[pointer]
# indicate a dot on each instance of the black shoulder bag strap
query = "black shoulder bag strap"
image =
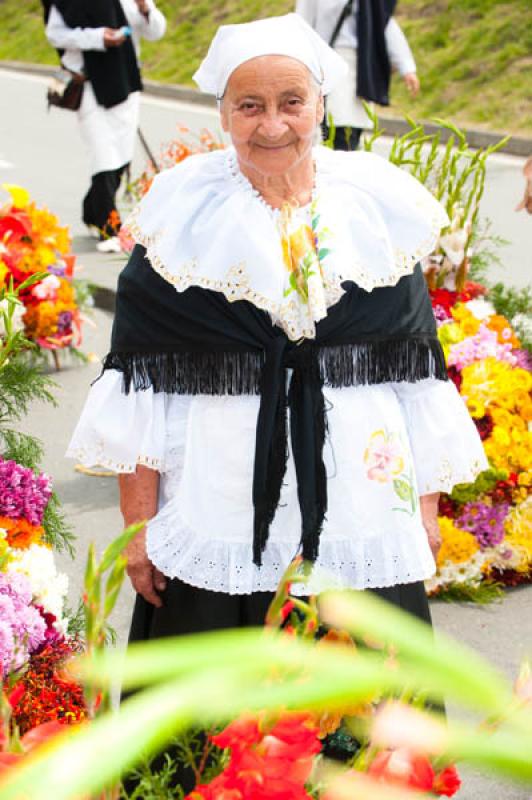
(347, 9)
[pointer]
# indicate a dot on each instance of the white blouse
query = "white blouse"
(387, 444)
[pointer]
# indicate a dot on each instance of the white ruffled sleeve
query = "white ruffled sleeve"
(120, 431)
(444, 440)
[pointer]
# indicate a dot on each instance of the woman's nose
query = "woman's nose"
(273, 125)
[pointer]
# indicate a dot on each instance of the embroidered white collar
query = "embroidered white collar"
(203, 224)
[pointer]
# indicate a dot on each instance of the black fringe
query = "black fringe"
(212, 373)
(237, 373)
(382, 361)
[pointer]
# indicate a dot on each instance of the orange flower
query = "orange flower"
(20, 534)
(505, 333)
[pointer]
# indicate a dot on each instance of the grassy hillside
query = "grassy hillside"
(474, 56)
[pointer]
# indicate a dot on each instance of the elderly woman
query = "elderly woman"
(275, 384)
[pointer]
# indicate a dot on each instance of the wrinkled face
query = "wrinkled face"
(271, 108)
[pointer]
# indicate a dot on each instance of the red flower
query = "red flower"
(241, 733)
(31, 740)
(269, 764)
(447, 781)
(456, 376)
(404, 768)
(447, 507)
(16, 695)
(484, 426)
(444, 299)
(472, 290)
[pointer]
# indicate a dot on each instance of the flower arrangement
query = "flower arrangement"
(32, 592)
(487, 535)
(32, 241)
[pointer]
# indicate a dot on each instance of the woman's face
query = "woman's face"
(271, 108)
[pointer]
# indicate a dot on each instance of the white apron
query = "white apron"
(108, 133)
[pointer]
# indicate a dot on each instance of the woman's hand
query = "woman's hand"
(147, 580)
(139, 492)
(412, 83)
(429, 515)
(113, 37)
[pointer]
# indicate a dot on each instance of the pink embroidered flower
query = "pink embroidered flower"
(383, 457)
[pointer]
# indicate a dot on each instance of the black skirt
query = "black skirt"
(188, 609)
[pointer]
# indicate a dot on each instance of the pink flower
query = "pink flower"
(383, 457)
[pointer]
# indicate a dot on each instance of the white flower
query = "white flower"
(47, 288)
(453, 245)
(49, 587)
(523, 325)
(18, 312)
(480, 308)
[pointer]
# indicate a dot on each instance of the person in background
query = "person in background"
(366, 35)
(99, 40)
(526, 202)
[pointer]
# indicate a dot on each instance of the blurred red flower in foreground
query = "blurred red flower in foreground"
(270, 763)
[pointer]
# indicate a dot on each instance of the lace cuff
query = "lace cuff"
(120, 431)
(444, 440)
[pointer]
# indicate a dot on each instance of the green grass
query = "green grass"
(474, 56)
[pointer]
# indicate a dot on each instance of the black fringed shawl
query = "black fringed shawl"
(196, 342)
(114, 73)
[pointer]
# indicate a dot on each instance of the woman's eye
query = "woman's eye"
(248, 108)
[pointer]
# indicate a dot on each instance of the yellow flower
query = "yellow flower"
(19, 197)
(518, 527)
(476, 407)
(468, 323)
(458, 546)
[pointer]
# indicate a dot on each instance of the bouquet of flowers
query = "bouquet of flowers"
(32, 241)
(32, 592)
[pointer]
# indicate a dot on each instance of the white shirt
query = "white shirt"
(74, 40)
(323, 15)
(387, 443)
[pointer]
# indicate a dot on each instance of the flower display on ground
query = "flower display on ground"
(32, 241)
(486, 526)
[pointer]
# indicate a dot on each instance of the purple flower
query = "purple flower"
(485, 522)
(23, 494)
(22, 627)
(523, 359)
(64, 322)
(7, 647)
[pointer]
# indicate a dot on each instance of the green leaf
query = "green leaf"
(470, 678)
(402, 489)
(116, 547)
(323, 253)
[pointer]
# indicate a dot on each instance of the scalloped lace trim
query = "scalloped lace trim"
(293, 316)
(94, 456)
(226, 566)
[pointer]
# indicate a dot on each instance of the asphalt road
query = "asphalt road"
(42, 152)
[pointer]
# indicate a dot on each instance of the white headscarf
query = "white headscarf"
(288, 36)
